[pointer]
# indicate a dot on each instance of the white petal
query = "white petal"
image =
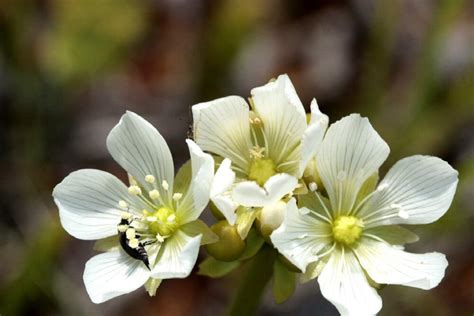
(300, 237)
(88, 202)
(140, 149)
(250, 194)
(283, 116)
(388, 265)
(221, 194)
(349, 154)
(222, 127)
(343, 282)
(313, 135)
(416, 190)
(114, 273)
(178, 258)
(202, 175)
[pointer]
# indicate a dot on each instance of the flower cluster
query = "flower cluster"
(276, 177)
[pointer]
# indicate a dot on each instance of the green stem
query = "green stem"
(252, 286)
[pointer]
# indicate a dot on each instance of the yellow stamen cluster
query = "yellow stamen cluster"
(347, 229)
(162, 222)
(261, 170)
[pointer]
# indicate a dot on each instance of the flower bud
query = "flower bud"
(230, 246)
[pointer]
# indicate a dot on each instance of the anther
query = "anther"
(171, 218)
(122, 228)
(313, 186)
(165, 185)
(159, 238)
(133, 243)
(403, 214)
(177, 196)
(151, 218)
(130, 233)
(134, 190)
(123, 204)
(154, 194)
(125, 215)
(149, 178)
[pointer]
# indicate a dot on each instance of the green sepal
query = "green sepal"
(213, 268)
(284, 282)
(254, 243)
(183, 178)
(245, 218)
(107, 244)
(152, 285)
(394, 235)
(197, 227)
(368, 187)
(312, 271)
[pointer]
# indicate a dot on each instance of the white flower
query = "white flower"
(352, 240)
(155, 219)
(269, 144)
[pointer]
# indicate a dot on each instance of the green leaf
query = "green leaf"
(284, 282)
(395, 235)
(215, 269)
(245, 218)
(254, 243)
(107, 244)
(197, 227)
(183, 178)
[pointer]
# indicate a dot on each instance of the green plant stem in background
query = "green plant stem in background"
(253, 283)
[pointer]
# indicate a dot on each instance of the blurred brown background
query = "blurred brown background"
(70, 68)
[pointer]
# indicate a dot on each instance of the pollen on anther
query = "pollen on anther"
(123, 204)
(177, 196)
(125, 215)
(313, 186)
(130, 233)
(122, 228)
(151, 218)
(134, 190)
(149, 178)
(171, 218)
(403, 214)
(159, 238)
(165, 185)
(154, 194)
(133, 243)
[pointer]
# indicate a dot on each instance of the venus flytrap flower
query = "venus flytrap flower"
(267, 146)
(352, 240)
(150, 230)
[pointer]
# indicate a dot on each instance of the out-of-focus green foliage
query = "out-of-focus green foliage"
(86, 38)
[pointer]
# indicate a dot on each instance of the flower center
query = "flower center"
(162, 221)
(261, 170)
(347, 229)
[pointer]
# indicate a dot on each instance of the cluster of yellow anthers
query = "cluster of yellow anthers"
(157, 222)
